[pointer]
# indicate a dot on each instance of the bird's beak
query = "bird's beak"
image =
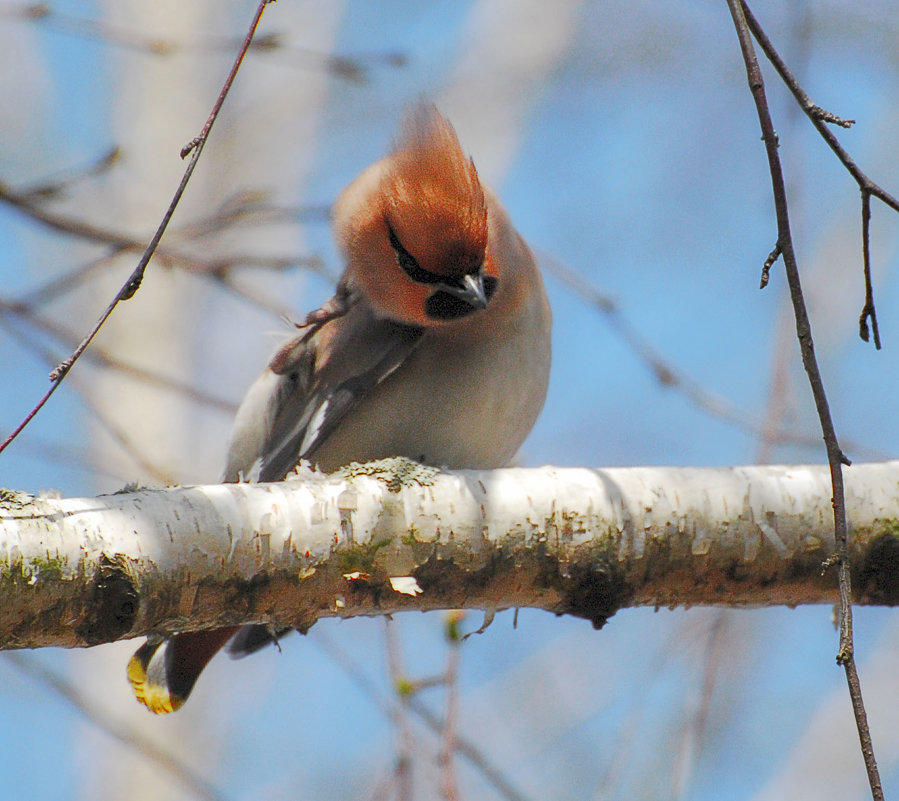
(469, 289)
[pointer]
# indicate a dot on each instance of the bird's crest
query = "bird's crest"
(436, 204)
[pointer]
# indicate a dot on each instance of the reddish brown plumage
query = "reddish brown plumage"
(434, 200)
(401, 361)
(427, 191)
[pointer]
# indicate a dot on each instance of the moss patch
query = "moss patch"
(396, 472)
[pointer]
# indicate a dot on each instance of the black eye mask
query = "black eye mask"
(408, 264)
(442, 304)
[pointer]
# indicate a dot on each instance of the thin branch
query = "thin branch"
(232, 213)
(119, 434)
(835, 457)
(352, 68)
(251, 206)
(669, 376)
(250, 293)
(134, 281)
(821, 119)
(243, 208)
(818, 116)
(198, 142)
(402, 772)
(119, 243)
(27, 204)
(102, 358)
(869, 311)
(464, 747)
(451, 681)
(64, 283)
(61, 182)
(692, 735)
(221, 270)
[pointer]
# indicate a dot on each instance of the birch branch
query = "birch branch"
(393, 535)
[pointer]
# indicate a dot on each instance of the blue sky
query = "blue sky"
(633, 158)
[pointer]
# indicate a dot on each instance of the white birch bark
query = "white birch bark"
(393, 535)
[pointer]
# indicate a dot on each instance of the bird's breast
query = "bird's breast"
(453, 403)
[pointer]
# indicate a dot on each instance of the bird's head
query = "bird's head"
(414, 228)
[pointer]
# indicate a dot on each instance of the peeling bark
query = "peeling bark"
(393, 535)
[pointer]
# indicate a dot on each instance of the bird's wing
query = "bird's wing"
(320, 377)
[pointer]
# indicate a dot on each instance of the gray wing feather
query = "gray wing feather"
(304, 421)
(311, 385)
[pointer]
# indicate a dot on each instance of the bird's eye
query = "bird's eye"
(408, 264)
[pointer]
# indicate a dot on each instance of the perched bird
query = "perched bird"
(435, 346)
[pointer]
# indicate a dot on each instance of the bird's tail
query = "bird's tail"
(163, 671)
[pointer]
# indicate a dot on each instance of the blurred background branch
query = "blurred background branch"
(619, 137)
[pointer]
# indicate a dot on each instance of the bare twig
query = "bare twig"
(65, 180)
(220, 269)
(463, 747)
(198, 142)
(669, 375)
(62, 284)
(134, 281)
(252, 206)
(869, 311)
(694, 729)
(119, 434)
(400, 717)
(102, 357)
(352, 68)
(451, 681)
(820, 119)
(28, 204)
(835, 457)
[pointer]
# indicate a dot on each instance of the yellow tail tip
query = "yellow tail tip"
(163, 672)
(158, 699)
